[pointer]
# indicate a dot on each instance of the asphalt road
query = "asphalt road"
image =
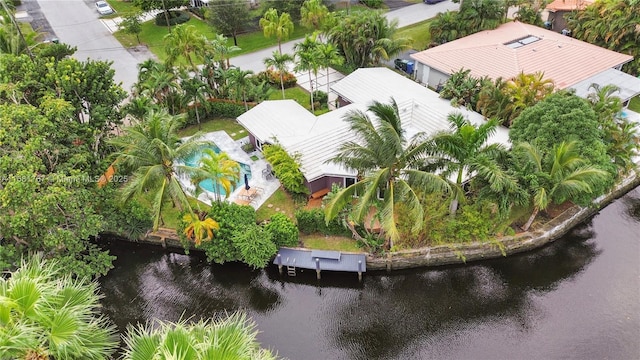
(76, 22)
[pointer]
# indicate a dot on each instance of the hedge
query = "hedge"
(312, 222)
(273, 78)
(175, 17)
(216, 108)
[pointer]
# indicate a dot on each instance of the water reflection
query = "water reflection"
(151, 283)
(588, 281)
(426, 302)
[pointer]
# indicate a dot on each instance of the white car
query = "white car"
(104, 8)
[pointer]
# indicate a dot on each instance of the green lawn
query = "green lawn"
(280, 200)
(634, 105)
(300, 95)
(419, 33)
(230, 126)
(122, 8)
(337, 243)
(153, 36)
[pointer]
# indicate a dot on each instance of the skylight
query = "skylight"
(522, 42)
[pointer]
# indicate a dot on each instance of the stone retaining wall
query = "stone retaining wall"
(462, 253)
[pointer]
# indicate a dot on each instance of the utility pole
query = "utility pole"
(15, 23)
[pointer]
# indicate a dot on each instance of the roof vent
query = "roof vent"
(522, 42)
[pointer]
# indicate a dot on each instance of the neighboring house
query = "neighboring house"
(317, 139)
(557, 9)
(516, 47)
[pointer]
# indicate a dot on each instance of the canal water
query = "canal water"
(578, 298)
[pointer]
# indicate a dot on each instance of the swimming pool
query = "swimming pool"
(208, 185)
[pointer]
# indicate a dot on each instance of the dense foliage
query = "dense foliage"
(56, 115)
(365, 38)
(563, 117)
(611, 24)
(228, 17)
(231, 337)
(256, 246)
(473, 16)
(312, 221)
(283, 230)
(46, 313)
(286, 169)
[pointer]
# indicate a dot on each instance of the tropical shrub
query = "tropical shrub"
(231, 218)
(475, 222)
(255, 245)
(129, 219)
(374, 4)
(272, 77)
(505, 100)
(175, 17)
(46, 313)
(312, 221)
(283, 231)
(564, 117)
(286, 169)
(463, 89)
(321, 98)
(232, 337)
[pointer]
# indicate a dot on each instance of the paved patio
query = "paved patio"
(233, 148)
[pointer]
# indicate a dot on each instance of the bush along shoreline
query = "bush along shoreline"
(452, 254)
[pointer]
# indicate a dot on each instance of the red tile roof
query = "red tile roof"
(565, 60)
(568, 5)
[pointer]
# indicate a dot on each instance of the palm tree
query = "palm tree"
(388, 162)
(218, 167)
(233, 337)
(604, 101)
(150, 150)
(47, 314)
(195, 90)
(313, 13)
(184, 41)
(525, 90)
(242, 81)
(556, 177)
(328, 57)
(308, 60)
(279, 62)
(222, 50)
(280, 26)
(456, 153)
(199, 227)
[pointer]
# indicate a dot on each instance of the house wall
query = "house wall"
(342, 102)
(557, 20)
(436, 77)
(324, 182)
(424, 73)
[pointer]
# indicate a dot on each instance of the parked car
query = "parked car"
(433, 1)
(104, 8)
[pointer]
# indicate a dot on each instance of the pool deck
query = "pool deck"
(233, 148)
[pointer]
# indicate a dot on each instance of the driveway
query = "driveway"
(76, 22)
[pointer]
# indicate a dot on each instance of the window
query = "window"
(348, 181)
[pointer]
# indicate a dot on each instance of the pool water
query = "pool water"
(208, 185)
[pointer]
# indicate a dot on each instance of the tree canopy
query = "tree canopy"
(564, 117)
(228, 17)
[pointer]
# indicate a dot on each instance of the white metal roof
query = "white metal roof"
(285, 120)
(629, 85)
(368, 84)
(317, 139)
